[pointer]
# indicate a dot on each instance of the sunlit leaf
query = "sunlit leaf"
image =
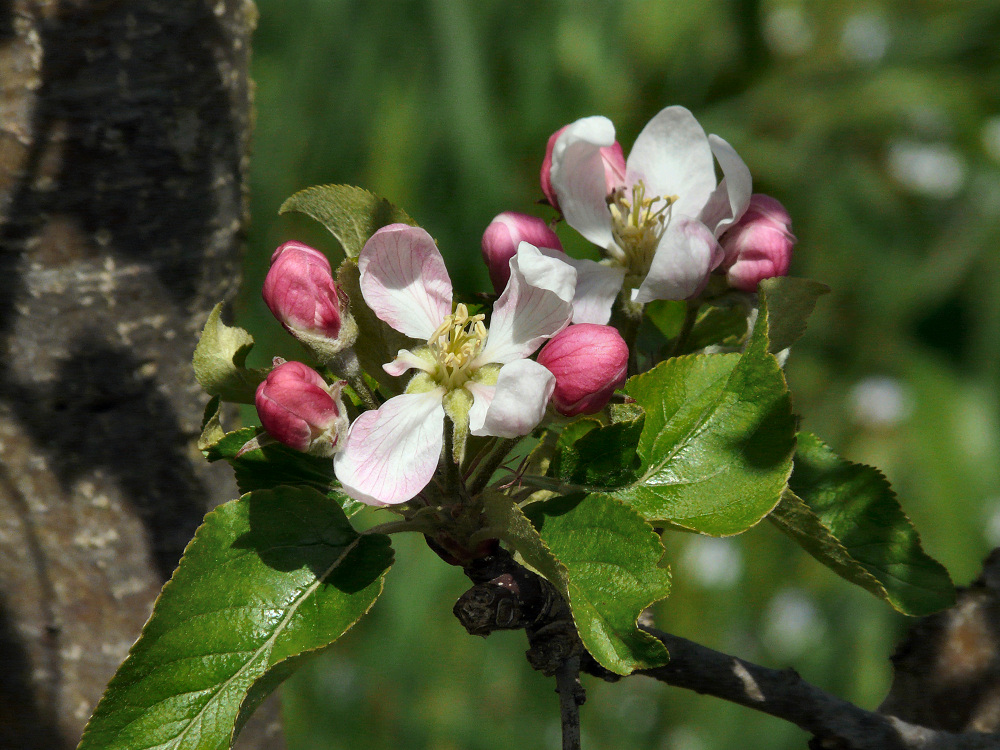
(267, 578)
(604, 559)
(790, 302)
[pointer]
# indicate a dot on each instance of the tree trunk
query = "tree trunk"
(123, 144)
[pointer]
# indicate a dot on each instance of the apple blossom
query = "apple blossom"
(299, 289)
(589, 362)
(661, 222)
(481, 378)
(759, 245)
(504, 234)
(299, 409)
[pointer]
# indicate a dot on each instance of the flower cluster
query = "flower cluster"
(664, 226)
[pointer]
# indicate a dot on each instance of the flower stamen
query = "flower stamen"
(637, 223)
(455, 344)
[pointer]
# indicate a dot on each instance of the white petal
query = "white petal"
(578, 177)
(730, 199)
(391, 453)
(672, 157)
(597, 286)
(405, 360)
(686, 255)
(536, 304)
(516, 404)
(404, 280)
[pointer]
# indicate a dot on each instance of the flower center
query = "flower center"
(637, 223)
(455, 344)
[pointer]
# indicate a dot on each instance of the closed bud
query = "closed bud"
(299, 409)
(759, 245)
(589, 362)
(614, 168)
(300, 291)
(504, 234)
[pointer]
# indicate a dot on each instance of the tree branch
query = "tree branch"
(833, 722)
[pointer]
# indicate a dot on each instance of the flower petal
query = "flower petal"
(597, 286)
(730, 199)
(391, 453)
(405, 360)
(536, 304)
(672, 157)
(515, 405)
(687, 253)
(579, 180)
(404, 280)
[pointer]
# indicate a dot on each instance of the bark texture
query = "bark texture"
(124, 128)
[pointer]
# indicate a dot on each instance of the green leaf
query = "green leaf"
(596, 456)
(725, 326)
(717, 443)
(380, 342)
(352, 214)
(790, 302)
(267, 578)
(847, 517)
(604, 559)
(219, 361)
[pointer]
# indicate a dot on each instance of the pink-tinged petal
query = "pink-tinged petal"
(597, 286)
(515, 405)
(502, 238)
(672, 157)
(537, 303)
(391, 453)
(687, 253)
(406, 360)
(404, 280)
(730, 199)
(579, 178)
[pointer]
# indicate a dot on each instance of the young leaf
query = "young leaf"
(716, 447)
(219, 361)
(604, 559)
(267, 578)
(352, 214)
(847, 517)
(790, 302)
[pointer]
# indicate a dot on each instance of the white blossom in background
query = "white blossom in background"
(787, 31)
(865, 38)
(792, 624)
(880, 402)
(712, 562)
(934, 170)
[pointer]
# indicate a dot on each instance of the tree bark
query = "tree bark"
(124, 128)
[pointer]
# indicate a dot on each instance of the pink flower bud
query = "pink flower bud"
(589, 362)
(299, 409)
(759, 245)
(614, 168)
(504, 234)
(300, 291)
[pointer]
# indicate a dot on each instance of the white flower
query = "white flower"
(481, 378)
(659, 229)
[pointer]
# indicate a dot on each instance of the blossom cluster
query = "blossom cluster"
(551, 347)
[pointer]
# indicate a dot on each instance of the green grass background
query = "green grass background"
(876, 123)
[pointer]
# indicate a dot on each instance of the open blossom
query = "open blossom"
(299, 289)
(299, 409)
(759, 245)
(480, 378)
(659, 225)
(589, 362)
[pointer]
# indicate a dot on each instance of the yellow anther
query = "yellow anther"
(455, 343)
(637, 225)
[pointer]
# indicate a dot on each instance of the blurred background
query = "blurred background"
(876, 123)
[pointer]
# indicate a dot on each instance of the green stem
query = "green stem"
(490, 464)
(395, 527)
